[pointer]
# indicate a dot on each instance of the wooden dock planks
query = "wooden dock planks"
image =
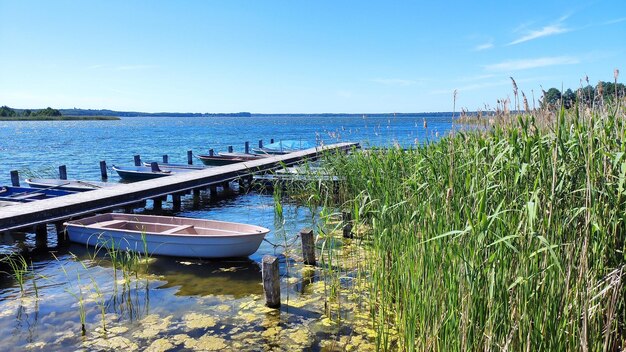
(61, 208)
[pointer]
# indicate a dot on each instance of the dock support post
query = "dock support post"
(271, 281)
(225, 185)
(308, 246)
(189, 157)
(211, 152)
(60, 230)
(137, 160)
(41, 236)
(176, 202)
(196, 197)
(157, 204)
(347, 224)
(260, 143)
(272, 140)
(165, 159)
(213, 189)
(246, 147)
(63, 172)
(103, 170)
(15, 178)
(154, 166)
(230, 148)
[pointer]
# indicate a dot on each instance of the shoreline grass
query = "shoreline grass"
(60, 118)
(507, 238)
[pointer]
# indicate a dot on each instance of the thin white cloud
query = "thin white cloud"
(517, 65)
(617, 20)
(394, 81)
(543, 32)
(483, 46)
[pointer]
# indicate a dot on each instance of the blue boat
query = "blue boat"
(26, 194)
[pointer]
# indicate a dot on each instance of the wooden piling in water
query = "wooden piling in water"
(63, 172)
(260, 143)
(246, 147)
(211, 152)
(137, 159)
(189, 157)
(213, 189)
(230, 148)
(308, 246)
(347, 224)
(271, 281)
(272, 140)
(176, 201)
(165, 159)
(103, 170)
(157, 204)
(60, 230)
(15, 178)
(41, 236)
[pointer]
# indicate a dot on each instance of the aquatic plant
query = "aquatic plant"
(511, 237)
(19, 268)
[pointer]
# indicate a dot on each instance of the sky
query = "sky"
(340, 56)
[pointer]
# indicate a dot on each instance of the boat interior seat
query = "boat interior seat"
(182, 229)
(28, 196)
(113, 224)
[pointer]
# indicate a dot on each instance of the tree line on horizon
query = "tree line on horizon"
(603, 92)
(6, 111)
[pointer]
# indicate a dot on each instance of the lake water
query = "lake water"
(173, 303)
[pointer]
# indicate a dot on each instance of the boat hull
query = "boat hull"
(66, 185)
(26, 194)
(220, 239)
(139, 173)
(220, 160)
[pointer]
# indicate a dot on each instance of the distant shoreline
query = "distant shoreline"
(105, 112)
(59, 118)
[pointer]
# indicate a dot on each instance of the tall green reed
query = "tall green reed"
(507, 238)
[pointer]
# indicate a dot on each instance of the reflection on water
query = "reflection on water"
(237, 278)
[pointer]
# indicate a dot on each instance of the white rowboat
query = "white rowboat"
(167, 235)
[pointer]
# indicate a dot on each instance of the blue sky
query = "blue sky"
(301, 56)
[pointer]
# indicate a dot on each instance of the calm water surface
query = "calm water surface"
(174, 303)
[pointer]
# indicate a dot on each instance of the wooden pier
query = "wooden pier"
(57, 210)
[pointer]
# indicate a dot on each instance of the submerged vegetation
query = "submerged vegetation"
(508, 238)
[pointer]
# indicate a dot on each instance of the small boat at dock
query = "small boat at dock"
(227, 158)
(142, 173)
(284, 147)
(167, 235)
(167, 166)
(26, 194)
(67, 185)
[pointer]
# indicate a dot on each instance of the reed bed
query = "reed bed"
(504, 238)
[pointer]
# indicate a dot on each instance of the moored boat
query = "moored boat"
(167, 166)
(284, 147)
(67, 185)
(226, 159)
(167, 235)
(141, 173)
(26, 194)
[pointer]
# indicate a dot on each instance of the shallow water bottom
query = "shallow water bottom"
(179, 304)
